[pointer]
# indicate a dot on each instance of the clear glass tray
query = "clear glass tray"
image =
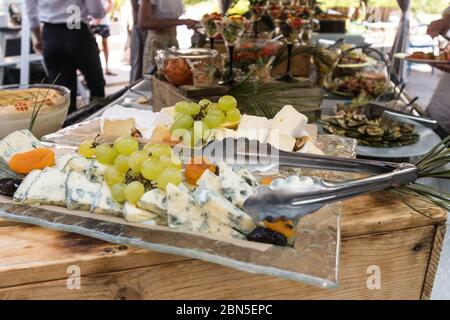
(313, 260)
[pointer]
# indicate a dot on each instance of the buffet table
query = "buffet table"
(377, 230)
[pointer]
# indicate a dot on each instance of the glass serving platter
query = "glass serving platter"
(313, 260)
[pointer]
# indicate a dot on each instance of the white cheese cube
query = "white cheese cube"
(311, 148)
(254, 128)
(289, 122)
(281, 141)
(80, 191)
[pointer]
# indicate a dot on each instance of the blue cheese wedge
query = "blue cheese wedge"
(133, 214)
(186, 215)
(61, 162)
(96, 171)
(223, 210)
(154, 201)
(210, 181)
(21, 192)
(79, 164)
(234, 187)
(18, 142)
(48, 189)
(105, 204)
(80, 191)
(248, 177)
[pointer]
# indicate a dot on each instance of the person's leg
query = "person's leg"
(106, 53)
(58, 66)
(88, 61)
(439, 107)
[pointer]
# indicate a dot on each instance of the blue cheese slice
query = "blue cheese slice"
(133, 214)
(248, 177)
(186, 215)
(18, 142)
(48, 189)
(210, 181)
(234, 187)
(61, 162)
(224, 211)
(154, 201)
(96, 171)
(105, 204)
(79, 164)
(80, 191)
(21, 192)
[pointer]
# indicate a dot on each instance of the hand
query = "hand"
(37, 46)
(443, 67)
(438, 27)
(191, 24)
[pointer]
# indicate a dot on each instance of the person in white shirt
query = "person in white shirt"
(63, 36)
(102, 28)
(439, 106)
(160, 18)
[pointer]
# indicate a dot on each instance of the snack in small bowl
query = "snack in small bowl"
(18, 104)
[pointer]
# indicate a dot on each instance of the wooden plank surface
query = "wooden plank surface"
(401, 256)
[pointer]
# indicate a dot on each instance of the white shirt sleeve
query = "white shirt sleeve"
(95, 8)
(32, 10)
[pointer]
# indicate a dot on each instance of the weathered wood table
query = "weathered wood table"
(377, 230)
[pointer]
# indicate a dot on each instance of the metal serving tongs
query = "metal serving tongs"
(293, 203)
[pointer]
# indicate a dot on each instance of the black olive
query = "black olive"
(264, 235)
(9, 186)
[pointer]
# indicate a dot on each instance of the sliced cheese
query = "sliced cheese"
(22, 191)
(289, 122)
(254, 128)
(133, 214)
(18, 142)
(48, 189)
(104, 203)
(223, 210)
(281, 141)
(154, 201)
(80, 191)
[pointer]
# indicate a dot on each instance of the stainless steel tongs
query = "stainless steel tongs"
(294, 203)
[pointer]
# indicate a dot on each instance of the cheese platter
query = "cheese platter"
(204, 221)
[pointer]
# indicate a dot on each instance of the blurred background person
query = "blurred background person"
(137, 43)
(65, 49)
(160, 18)
(439, 106)
(102, 28)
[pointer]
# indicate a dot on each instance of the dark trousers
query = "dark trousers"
(137, 44)
(66, 51)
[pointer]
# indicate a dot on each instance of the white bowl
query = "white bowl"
(49, 119)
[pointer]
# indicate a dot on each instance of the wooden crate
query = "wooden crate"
(166, 95)
(378, 230)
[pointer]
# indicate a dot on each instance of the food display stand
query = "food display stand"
(378, 230)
